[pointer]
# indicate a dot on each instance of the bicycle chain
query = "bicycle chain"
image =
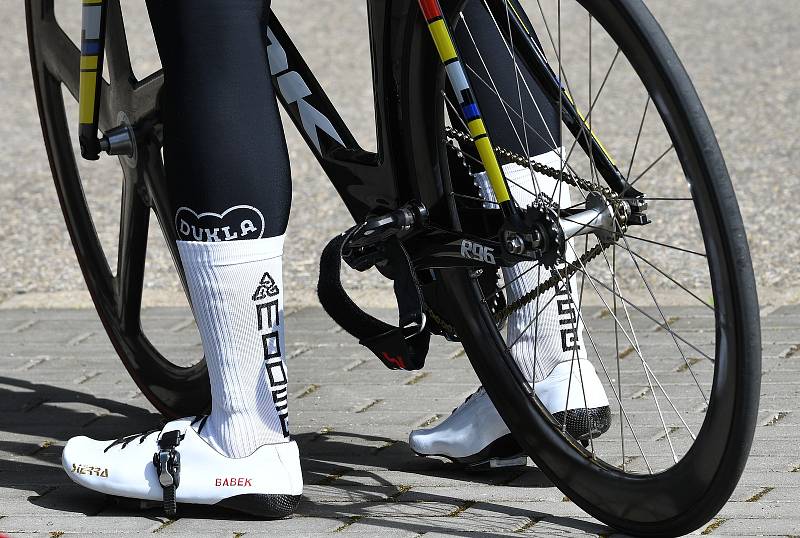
(555, 173)
(570, 268)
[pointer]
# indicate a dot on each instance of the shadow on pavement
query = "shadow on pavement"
(347, 465)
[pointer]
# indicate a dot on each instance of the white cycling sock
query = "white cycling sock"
(547, 331)
(236, 292)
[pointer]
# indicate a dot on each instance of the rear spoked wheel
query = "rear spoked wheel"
(174, 389)
(665, 311)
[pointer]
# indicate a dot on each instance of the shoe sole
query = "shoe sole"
(262, 505)
(268, 506)
(585, 424)
(503, 452)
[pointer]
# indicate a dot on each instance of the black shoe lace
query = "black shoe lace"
(202, 419)
(125, 441)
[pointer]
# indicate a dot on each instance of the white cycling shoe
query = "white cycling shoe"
(175, 465)
(475, 434)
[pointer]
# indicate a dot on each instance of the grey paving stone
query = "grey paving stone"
(759, 527)
(351, 418)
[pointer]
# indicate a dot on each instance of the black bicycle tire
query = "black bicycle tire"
(599, 489)
(173, 390)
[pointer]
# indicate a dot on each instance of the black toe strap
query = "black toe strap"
(402, 347)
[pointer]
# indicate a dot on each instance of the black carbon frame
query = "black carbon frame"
(405, 115)
(408, 164)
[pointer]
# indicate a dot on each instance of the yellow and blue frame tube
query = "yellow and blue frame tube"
(448, 54)
(93, 30)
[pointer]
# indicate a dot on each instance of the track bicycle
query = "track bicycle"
(654, 237)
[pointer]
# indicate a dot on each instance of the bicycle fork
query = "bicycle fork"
(119, 140)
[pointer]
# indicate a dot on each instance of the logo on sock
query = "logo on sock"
(567, 321)
(268, 316)
(266, 288)
(237, 222)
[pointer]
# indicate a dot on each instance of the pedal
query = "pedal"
(363, 248)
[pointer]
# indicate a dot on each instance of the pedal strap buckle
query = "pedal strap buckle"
(167, 462)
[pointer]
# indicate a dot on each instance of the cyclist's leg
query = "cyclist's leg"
(548, 331)
(230, 191)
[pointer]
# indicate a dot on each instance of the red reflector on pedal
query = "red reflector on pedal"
(397, 361)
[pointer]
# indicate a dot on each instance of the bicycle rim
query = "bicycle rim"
(675, 343)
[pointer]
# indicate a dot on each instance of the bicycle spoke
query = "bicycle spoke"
(651, 165)
(517, 74)
(635, 307)
(662, 199)
(617, 395)
(665, 245)
(156, 183)
(519, 88)
(666, 322)
(515, 320)
(566, 282)
(648, 372)
(661, 271)
(663, 318)
(118, 58)
(527, 327)
(589, 80)
(131, 253)
(475, 198)
(61, 56)
(145, 96)
(536, 329)
(511, 181)
(638, 137)
(588, 118)
(616, 347)
(491, 79)
(457, 113)
(506, 105)
(507, 284)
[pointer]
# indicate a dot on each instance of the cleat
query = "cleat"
(175, 465)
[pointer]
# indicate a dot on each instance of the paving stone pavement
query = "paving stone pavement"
(59, 377)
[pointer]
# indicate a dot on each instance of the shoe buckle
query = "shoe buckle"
(167, 462)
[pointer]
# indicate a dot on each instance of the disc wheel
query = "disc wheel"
(667, 310)
(173, 389)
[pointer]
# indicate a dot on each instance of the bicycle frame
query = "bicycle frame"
(373, 183)
(408, 163)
